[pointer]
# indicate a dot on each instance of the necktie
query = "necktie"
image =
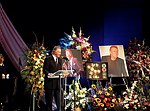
(56, 61)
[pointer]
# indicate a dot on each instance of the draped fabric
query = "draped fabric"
(11, 41)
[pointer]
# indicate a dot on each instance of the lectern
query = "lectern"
(61, 74)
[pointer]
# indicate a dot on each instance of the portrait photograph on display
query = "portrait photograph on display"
(72, 60)
(115, 57)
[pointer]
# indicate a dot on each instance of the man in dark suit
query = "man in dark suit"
(52, 64)
(116, 66)
(5, 85)
(2, 80)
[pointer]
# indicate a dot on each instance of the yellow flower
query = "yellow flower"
(99, 104)
(119, 99)
(40, 86)
(112, 105)
(99, 92)
(81, 91)
(32, 72)
(93, 86)
(35, 67)
(39, 82)
(110, 88)
(102, 105)
(97, 100)
(107, 93)
(105, 99)
(113, 100)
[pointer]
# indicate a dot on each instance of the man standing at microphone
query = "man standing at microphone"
(52, 64)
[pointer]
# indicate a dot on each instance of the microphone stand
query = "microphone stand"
(110, 80)
(65, 80)
(60, 92)
(124, 82)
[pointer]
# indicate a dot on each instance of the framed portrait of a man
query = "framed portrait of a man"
(115, 57)
(72, 60)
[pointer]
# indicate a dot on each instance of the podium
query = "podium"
(61, 74)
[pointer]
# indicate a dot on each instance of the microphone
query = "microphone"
(65, 58)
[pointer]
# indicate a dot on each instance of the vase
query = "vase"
(77, 109)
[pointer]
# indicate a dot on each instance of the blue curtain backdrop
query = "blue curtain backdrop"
(116, 23)
(119, 26)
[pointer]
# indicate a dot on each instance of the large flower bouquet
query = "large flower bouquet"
(138, 63)
(32, 73)
(102, 99)
(78, 41)
(134, 98)
(138, 59)
(76, 97)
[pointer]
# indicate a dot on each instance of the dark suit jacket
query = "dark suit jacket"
(50, 66)
(115, 68)
(2, 70)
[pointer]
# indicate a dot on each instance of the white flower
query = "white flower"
(130, 96)
(78, 47)
(94, 96)
(139, 105)
(41, 78)
(77, 103)
(135, 96)
(132, 102)
(126, 106)
(132, 87)
(124, 93)
(134, 107)
(78, 95)
(136, 100)
(127, 99)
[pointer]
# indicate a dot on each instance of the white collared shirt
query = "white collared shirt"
(55, 58)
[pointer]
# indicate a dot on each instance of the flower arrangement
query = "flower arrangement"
(32, 73)
(79, 42)
(134, 98)
(138, 60)
(76, 97)
(102, 99)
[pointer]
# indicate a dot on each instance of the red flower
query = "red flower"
(107, 104)
(102, 96)
(130, 104)
(108, 99)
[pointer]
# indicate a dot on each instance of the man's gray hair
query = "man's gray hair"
(55, 48)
